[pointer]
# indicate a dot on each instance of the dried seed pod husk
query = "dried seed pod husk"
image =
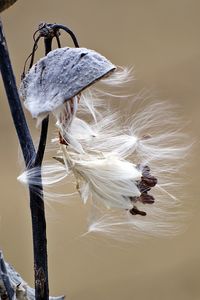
(61, 75)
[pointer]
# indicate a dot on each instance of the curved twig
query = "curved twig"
(69, 31)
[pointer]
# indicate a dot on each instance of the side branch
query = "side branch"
(45, 122)
(42, 142)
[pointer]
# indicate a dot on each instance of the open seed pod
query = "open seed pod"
(61, 75)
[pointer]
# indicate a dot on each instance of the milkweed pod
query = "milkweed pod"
(61, 75)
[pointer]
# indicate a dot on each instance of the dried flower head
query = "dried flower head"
(123, 161)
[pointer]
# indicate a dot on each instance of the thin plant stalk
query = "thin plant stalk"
(29, 154)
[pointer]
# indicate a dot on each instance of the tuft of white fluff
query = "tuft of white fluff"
(105, 148)
(119, 78)
(108, 180)
(51, 174)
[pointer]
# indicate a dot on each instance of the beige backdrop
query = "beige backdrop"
(161, 39)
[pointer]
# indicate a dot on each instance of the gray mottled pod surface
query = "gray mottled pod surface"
(61, 75)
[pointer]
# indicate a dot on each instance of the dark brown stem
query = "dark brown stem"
(14, 102)
(41, 261)
(45, 122)
(36, 194)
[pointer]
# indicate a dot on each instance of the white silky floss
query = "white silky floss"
(105, 152)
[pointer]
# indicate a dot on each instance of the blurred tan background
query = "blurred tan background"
(161, 39)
